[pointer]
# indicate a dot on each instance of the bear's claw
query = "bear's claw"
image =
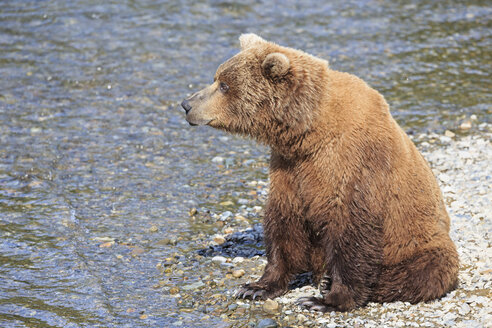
(251, 293)
(314, 304)
(325, 285)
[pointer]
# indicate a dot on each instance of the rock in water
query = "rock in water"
(267, 323)
(270, 306)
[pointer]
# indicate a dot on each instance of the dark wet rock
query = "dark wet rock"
(301, 280)
(247, 243)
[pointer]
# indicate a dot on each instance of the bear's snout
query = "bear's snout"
(196, 110)
(186, 105)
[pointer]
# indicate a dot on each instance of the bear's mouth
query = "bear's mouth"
(192, 121)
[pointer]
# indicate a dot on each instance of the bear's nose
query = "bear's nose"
(186, 105)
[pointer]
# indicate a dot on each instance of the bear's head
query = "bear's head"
(266, 91)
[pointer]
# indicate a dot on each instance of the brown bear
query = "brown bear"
(351, 198)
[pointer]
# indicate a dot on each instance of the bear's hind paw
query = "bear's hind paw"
(314, 304)
(325, 285)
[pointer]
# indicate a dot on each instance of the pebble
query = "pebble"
(238, 259)
(194, 286)
(241, 218)
(444, 177)
(301, 318)
(449, 316)
(193, 211)
(167, 241)
(445, 139)
(104, 239)
(219, 259)
(228, 265)
(217, 159)
(449, 134)
(225, 215)
(466, 125)
(270, 306)
(464, 309)
(107, 244)
(219, 239)
(173, 290)
(267, 323)
(238, 273)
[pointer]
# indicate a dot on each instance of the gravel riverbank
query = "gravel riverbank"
(462, 166)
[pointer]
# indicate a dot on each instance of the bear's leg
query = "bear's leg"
(428, 275)
(273, 283)
(287, 247)
(354, 264)
(336, 296)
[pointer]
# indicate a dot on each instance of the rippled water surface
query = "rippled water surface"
(98, 168)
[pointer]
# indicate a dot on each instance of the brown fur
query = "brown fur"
(351, 198)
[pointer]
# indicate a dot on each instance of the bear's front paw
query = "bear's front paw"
(314, 304)
(253, 291)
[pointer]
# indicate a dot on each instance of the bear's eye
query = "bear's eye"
(223, 87)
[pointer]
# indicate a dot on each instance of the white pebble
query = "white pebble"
(238, 259)
(217, 159)
(219, 259)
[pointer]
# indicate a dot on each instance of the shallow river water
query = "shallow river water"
(99, 170)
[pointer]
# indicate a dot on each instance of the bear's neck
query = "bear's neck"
(302, 146)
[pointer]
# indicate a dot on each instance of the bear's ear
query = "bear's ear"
(250, 39)
(275, 65)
